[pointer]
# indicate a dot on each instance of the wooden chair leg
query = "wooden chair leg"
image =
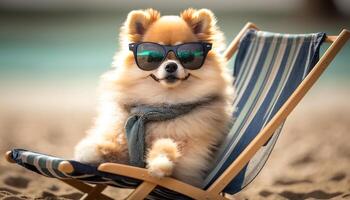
(94, 193)
(85, 188)
(142, 191)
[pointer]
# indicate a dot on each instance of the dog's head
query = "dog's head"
(171, 78)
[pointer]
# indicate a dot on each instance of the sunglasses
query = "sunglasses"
(149, 56)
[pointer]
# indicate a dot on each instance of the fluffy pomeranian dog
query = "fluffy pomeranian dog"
(182, 147)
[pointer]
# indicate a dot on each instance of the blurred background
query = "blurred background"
(53, 52)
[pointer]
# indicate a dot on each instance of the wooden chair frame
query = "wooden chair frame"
(215, 190)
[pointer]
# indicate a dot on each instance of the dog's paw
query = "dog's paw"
(160, 166)
(87, 152)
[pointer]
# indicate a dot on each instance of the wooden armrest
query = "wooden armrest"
(66, 167)
(8, 157)
(166, 182)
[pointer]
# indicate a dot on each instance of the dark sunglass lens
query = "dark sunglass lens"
(149, 56)
(191, 55)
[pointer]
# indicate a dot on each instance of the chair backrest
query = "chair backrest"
(268, 68)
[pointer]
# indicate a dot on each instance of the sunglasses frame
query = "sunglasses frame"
(167, 48)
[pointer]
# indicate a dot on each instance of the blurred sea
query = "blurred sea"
(65, 53)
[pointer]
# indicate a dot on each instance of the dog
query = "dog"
(183, 147)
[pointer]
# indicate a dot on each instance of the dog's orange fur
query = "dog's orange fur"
(182, 147)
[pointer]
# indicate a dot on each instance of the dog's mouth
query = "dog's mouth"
(170, 78)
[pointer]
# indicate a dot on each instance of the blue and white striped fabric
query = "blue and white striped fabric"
(268, 68)
(48, 166)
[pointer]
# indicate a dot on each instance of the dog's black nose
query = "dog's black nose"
(171, 67)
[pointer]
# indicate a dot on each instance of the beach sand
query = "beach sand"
(311, 159)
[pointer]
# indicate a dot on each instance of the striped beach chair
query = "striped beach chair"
(272, 73)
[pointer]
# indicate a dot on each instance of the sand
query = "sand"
(311, 160)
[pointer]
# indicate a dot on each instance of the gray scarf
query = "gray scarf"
(142, 114)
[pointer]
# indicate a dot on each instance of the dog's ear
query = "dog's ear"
(202, 22)
(137, 23)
